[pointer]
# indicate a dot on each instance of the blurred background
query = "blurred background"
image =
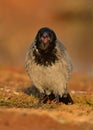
(71, 20)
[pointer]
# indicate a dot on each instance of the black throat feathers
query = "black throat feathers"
(45, 59)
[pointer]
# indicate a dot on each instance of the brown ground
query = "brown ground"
(17, 111)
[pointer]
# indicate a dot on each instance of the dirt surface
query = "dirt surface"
(17, 111)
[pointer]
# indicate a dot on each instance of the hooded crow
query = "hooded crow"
(48, 64)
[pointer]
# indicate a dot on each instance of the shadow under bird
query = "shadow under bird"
(49, 66)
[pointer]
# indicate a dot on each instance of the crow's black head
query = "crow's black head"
(45, 43)
(45, 40)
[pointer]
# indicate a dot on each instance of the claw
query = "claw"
(66, 99)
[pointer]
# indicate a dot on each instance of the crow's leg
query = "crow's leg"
(57, 98)
(43, 98)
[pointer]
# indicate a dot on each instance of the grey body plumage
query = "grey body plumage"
(49, 67)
